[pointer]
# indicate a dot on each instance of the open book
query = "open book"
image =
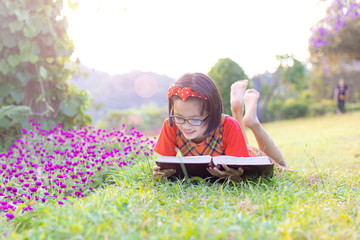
(195, 166)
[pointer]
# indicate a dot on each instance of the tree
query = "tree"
(35, 66)
(224, 73)
(293, 75)
(282, 92)
(337, 36)
(335, 45)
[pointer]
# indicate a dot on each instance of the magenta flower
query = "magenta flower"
(10, 216)
(75, 154)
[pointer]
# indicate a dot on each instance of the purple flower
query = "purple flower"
(60, 203)
(10, 216)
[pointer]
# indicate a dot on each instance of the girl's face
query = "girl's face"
(190, 109)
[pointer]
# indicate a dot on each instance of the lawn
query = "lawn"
(320, 199)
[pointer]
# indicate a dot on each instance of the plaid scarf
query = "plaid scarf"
(214, 143)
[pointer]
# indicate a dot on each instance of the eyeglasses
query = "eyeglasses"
(191, 121)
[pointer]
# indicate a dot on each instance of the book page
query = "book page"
(230, 160)
(185, 160)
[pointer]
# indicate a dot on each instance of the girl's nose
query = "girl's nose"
(187, 124)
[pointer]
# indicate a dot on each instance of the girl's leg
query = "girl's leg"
(237, 103)
(251, 121)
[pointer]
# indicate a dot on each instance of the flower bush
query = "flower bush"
(57, 166)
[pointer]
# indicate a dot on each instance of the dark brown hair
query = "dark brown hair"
(203, 85)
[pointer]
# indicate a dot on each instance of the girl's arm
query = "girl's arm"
(165, 146)
(166, 143)
(233, 139)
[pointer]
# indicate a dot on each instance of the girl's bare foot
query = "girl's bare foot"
(251, 98)
(237, 96)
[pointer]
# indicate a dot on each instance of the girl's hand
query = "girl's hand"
(162, 174)
(231, 173)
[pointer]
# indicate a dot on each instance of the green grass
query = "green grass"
(319, 200)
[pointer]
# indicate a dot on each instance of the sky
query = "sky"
(173, 37)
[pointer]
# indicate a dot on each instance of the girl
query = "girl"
(196, 125)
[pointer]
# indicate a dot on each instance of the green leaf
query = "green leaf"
(12, 111)
(4, 67)
(21, 15)
(38, 22)
(29, 31)
(41, 97)
(4, 122)
(18, 95)
(33, 58)
(28, 56)
(43, 72)
(1, 47)
(24, 77)
(73, 5)
(13, 60)
(16, 26)
(69, 108)
(5, 89)
(24, 45)
(49, 60)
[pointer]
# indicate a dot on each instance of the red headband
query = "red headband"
(184, 93)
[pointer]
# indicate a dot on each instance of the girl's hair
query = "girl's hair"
(203, 85)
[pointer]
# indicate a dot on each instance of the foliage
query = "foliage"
(322, 107)
(147, 117)
(293, 75)
(338, 34)
(319, 200)
(290, 108)
(335, 49)
(11, 116)
(34, 63)
(224, 73)
(294, 108)
(284, 93)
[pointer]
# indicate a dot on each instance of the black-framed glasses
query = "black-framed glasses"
(191, 121)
